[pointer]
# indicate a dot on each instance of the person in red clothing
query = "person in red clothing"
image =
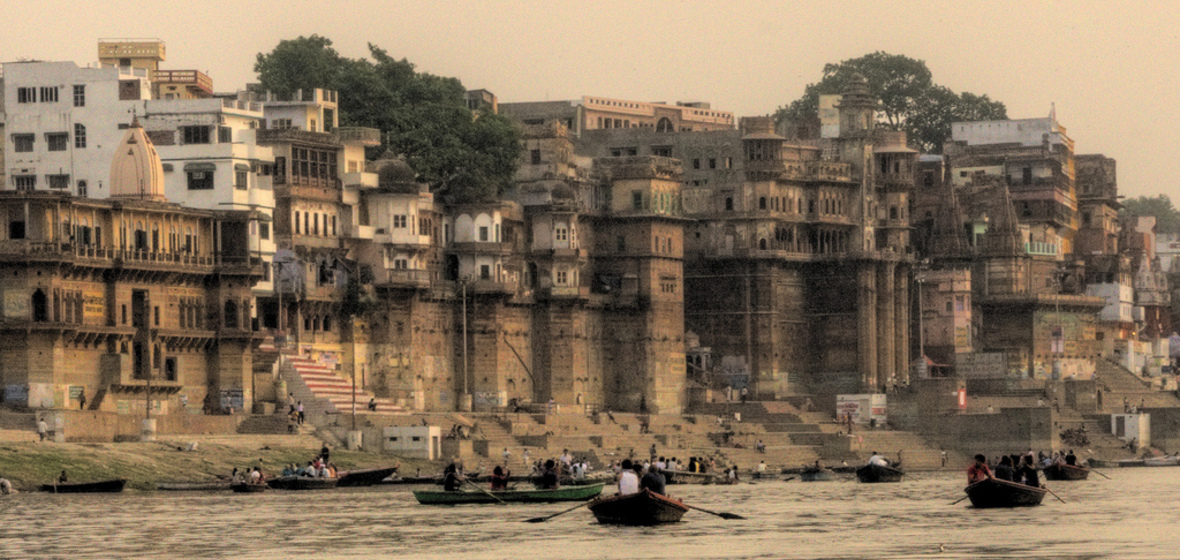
(500, 478)
(979, 470)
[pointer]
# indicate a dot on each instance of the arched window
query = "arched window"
(762, 203)
(665, 125)
(729, 203)
(40, 306)
(762, 243)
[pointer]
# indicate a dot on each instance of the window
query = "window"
(49, 95)
(762, 203)
(729, 203)
(399, 221)
(696, 164)
(562, 277)
(194, 135)
(535, 157)
(80, 96)
(264, 230)
(280, 170)
(241, 180)
(637, 200)
(58, 181)
(22, 142)
(225, 135)
(483, 233)
(26, 95)
(16, 229)
(58, 141)
(621, 243)
(1026, 175)
(280, 124)
(200, 180)
(25, 182)
(79, 136)
(661, 151)
(561, 234)
(712, 163)
(82, 190)
(401, 264)
(485, 272)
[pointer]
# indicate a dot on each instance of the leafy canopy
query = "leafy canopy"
(472, 156)
(910, 100)
(1167, 217)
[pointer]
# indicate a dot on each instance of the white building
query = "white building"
(62, 123)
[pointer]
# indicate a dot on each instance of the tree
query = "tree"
(1167, 217)
(467, 156)
(910, 100)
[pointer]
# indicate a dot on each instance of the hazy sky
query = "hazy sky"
(1111, 67)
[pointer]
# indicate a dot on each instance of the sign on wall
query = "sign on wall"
(16, 304)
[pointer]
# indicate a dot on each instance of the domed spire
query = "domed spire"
(136, 171)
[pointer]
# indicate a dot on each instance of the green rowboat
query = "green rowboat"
(562, 494)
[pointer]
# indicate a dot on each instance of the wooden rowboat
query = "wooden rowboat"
(1170, 461)
(364, 477)
(302, 483)
(686, 477)
(877, 473)
(247, 487)
(994, 493)
(102, 486)
(642, 508)
(1061, 471)
(561, 494)
(816, 475)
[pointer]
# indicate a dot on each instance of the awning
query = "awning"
(200, 167)
(241, 167)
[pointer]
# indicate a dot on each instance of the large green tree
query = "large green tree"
(1167, 217)
(910, 100)
(467, 156)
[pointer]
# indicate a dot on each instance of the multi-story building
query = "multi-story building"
(591, 113)
(145, 56)
(129, 300)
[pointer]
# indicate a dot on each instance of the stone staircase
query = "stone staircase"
(1120, 386)
(323, 391)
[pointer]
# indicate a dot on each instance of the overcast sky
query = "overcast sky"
(1110, 67)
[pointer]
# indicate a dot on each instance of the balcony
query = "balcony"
(564, 292)
(560, 254)
(359, 232)
(287, 135)
(404, 278)
(20, 250)
(362, 135)
(489, 286)
(482, 248)
(895, 181)
(360, 180)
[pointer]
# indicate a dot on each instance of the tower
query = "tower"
(136, 171)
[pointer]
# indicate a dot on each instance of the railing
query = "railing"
(1038, 248)
(241, 105)
(195, 77)
(407, 276)
(111, 254)
(357, 134)
(296, 135)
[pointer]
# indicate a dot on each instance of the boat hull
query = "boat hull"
(686, 477)
(248, 488)
(366, 477)
(995, 493)
(103, 486)
(816, 476)
(302, 483)
(1162, 462)
(642, 508)
(562, 494)
(877, 473)
(1066, 472)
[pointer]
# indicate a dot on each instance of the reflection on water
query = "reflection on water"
(1129, 517)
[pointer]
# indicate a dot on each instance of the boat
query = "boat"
(115, 485)
(878, 473)
(686, 477)
(1062, 471)
(193, 486)
(560, 494)
(246, 487)
(291, 482)
(993, 493)
(642, 508)
(1101, 463)
(1169, 461)
(816, 475)
(364, 477)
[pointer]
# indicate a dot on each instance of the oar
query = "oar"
(1100, 474)
(722, 515)
(1054, 495)
(790, 478)
(480, 488)
(960, 499)
(548, 517)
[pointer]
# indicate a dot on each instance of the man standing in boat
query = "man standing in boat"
(550, 478)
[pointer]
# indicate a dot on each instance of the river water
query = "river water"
(1131, 516)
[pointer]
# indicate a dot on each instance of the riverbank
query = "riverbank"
(146, 464)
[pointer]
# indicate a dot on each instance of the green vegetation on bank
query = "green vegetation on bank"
(146, 464)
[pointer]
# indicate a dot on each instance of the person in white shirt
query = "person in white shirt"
(628, 480)
(661, 464)
(878, 459)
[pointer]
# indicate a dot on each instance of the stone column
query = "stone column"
(901, 345)
(866, 318)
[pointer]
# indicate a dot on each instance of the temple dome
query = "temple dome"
(136, 170)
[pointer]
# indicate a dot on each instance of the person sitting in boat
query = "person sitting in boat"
(978, 471)
(653, 480)
(1027, 473)
(288, 470)
(549, 478)
(500, 478)
(878, 459)
(5, 486)
(628, 480)
(1071, 459)
(256, 476)
(235, 477)
(1004, 469)
(451, 479)
(63, 478)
